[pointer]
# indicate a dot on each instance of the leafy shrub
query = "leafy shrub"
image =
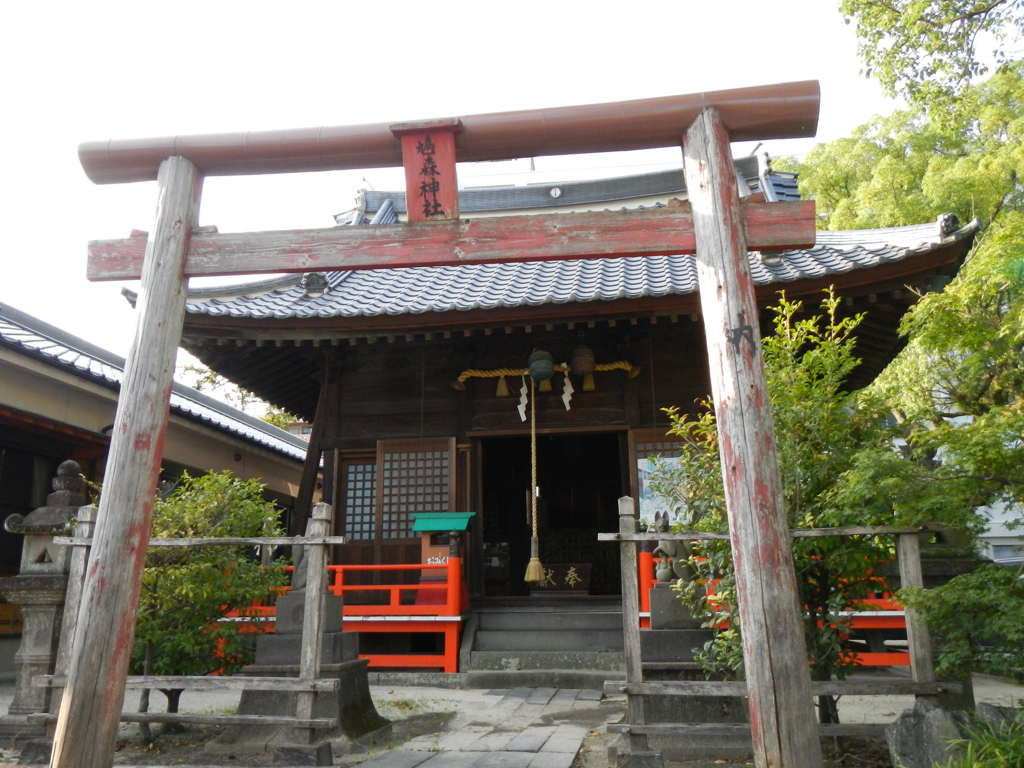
(186, 591)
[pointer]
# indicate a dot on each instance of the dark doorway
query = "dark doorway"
(580, 478)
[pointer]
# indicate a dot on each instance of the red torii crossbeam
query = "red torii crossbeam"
(720, 231)
(605, 234)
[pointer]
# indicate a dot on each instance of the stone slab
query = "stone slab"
(399, 758)
(541, 696)
(495, 741)
(566, 738)
(532, 739)
(552, 760)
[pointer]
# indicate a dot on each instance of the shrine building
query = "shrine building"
(412, 376)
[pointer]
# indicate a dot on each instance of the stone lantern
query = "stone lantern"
(39, 589)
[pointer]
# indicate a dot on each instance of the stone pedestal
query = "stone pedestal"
(668, 611)
(277, 655)
(41, 598)
(39, 589)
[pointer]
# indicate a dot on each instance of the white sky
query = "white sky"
(97, 70)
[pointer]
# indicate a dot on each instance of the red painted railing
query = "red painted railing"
(437, 609)
(878, 613)
(438, 598)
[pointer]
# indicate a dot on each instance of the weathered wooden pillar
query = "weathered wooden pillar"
(639, 754)
(908, 552)
(313, 614)
(91, 707)
(774, 651)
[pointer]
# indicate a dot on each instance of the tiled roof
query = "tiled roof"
(777, 186)
(368, 293)
(30, 336)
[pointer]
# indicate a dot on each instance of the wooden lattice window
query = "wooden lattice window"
(415, 476)
(360, 500)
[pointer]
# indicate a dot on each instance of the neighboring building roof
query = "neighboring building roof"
(34, 338)
(417, 290)
(379, 207)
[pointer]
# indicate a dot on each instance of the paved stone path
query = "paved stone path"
(522, 728)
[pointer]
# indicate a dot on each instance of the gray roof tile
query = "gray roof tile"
(367, 293)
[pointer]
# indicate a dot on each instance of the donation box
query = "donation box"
(442, 535)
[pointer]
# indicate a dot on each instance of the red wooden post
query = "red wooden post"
(428, 156)
(91, 707)
(453, 595)
(774, 651)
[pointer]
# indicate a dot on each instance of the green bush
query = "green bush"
(993, 747)
(977, 621)
(186, 591)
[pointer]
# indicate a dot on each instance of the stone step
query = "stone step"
(546, 640)
(515, 621)
(541, 678)
(534, 660)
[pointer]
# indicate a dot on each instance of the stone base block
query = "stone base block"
(291, 611)
(350, 706)
(671, 644)
(278, 650)
(668, 611)
(304, 754)
(36, 752)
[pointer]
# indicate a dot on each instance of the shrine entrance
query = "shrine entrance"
(581, 477)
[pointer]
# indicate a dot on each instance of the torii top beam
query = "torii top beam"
(781, 111)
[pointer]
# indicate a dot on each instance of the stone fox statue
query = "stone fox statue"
(673, 554)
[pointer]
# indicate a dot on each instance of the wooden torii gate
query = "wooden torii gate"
(716, 225)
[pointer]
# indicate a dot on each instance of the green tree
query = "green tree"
(186, 591)
(957, 390)
(820, 429)
(928, 50)
(958, 387)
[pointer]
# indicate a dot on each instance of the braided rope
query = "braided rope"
(631, 370)
(533, 455)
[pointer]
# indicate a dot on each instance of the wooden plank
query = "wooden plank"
(90, 708)
(741, 729)
(774, 651)
(818, 688)
(908, 551)
(189, 718)
(795, 533)
(428, 157)
(636, 707)
(210, 683)
(592, 235)
(252, 541)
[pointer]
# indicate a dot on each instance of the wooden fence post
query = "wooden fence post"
(91, 706)
(636, 707)
(72, 599)
(774, 651)
(313, 614)
(918, 640)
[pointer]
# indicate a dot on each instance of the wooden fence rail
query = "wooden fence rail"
(307, 685)
(636, 728)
